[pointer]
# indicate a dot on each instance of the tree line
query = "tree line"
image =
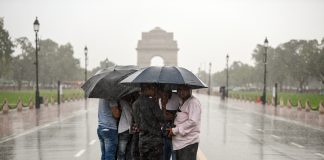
(56, 62)
(294, 65)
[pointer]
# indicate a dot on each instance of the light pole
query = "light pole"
(209, 81)
(264, 95)
(36, 29)
(86, 64)
(20, 59)
(227, 58)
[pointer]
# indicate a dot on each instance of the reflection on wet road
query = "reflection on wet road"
(72, 137)
(229, 131)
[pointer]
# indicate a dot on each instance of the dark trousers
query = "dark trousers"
(151, 152)
(168, 149)
(188, 152)
(134, 148)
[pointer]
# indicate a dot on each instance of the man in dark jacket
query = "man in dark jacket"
(149, 118)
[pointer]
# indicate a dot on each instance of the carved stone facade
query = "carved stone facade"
(159, 43)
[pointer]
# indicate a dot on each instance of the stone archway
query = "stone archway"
(157, 43)
(157, 61)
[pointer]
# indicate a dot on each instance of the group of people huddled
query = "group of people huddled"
(153, 124)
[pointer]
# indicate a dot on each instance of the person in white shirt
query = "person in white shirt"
(186, 132)
(124, 136)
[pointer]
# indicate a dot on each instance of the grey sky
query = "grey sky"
(206, 30)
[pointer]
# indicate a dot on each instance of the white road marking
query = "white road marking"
(320, 155)
(274, 136)
(79, 153)
(260, 130)
(248, 125)
(92, 142)
(297, 145)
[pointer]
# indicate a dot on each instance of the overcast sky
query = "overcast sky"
(206, 30)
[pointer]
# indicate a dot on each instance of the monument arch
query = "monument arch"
(157, 43)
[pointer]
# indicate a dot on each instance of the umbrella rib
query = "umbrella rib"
(181, 75)
(158, 80)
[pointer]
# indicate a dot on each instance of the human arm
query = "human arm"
(115, 109)
(189, 119)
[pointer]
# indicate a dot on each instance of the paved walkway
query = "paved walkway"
(15, 123)
(230, 130)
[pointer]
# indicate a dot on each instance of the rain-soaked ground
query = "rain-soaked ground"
(230, 130)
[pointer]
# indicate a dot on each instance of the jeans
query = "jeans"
(168, 149)
(188, 152)
(108, 142)
(124, 145)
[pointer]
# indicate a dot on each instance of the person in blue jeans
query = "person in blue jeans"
(108, 113)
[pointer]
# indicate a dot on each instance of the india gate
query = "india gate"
(157, 43)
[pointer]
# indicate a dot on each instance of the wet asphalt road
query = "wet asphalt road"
(229, 131)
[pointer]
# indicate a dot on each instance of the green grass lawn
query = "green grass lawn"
(13, 96)
(314, 99)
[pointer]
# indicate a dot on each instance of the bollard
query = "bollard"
(321, 108)
(5, 106)
(269, 102)
(46, 101)
(19, 105)
(52, 100)
(299, 106)
(289, 103)
(308, 106)
(282, 104)
(258, 99)
(31, 103)
(62, 99)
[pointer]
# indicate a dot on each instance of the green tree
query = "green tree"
(296, 58)
(316, 60)
(241, 74)
(6, 49)
(24, 68)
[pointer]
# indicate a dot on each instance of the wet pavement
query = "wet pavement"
(61, 133)
(230, 130)
(248, 131)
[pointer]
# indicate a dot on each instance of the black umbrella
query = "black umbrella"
(170, 75)
(105, 83)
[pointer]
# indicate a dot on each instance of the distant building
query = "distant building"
(157, 43)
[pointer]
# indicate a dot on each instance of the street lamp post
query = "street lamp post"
(36, 29)
(86, 64)
(227, 58)
(264, 95)
(20, 59)
(209, 81)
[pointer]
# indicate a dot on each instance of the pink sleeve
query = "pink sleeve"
(194, 112)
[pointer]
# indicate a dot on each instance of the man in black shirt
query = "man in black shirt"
(148, 117)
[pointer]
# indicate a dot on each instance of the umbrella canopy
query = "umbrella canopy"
(170, 75)
(105, 83)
